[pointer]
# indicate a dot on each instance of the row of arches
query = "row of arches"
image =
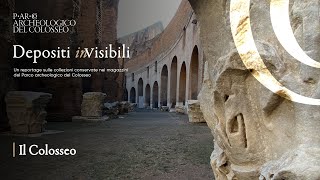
(174, 88)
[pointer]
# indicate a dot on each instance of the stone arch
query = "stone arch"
(194, 74)
(173, 81)
(155, 95)
(133, 95)
(148, 98)
(164, 86)
(182, 83)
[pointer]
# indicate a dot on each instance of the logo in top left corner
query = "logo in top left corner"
(24, 23)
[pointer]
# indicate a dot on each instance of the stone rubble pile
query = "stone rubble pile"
(94, 107)
(132, 107)
(124, 107)
(112, 110)
(26, 111)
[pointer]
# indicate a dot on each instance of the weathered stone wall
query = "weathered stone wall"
(259, 135)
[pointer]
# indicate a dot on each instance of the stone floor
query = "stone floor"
(140, 145)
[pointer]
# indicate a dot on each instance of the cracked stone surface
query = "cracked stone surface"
(259, 135)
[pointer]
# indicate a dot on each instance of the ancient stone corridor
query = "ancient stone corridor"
(169, 73)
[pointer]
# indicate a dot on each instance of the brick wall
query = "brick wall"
(96, 27)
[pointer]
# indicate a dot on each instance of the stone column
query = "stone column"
(169, 104)
(137, 92)
(151, 96)
(144, 94)
(160, 94)
(129, 95)
(188, 94)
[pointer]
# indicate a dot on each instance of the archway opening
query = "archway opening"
(125, 95)
(148, 92)
(140, 90)
(140, 87)
(182, 84)
(173, 81)
(194, 74)
(164, 86)
(133, 95)
(155, 97)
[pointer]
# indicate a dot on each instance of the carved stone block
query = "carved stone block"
(194, 112)
(26, 111)
(92, 104)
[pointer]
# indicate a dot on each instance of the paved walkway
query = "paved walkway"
(141, 145)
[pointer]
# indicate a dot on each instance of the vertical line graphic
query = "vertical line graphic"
(14, 149)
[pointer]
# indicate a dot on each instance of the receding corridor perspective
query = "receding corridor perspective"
(140, 145)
